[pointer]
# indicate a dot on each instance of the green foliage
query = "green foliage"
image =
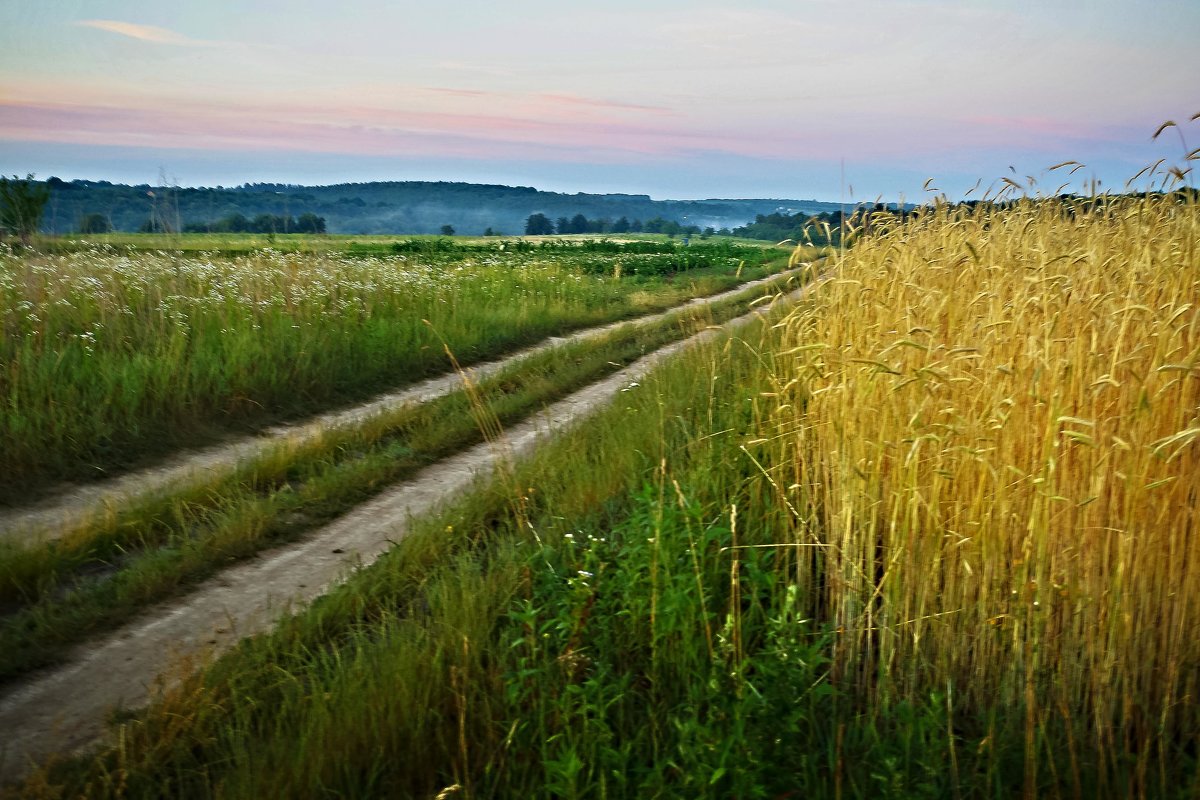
(579, 224)
(22, 203)
(412, 207)
(95, 223)
(309, 223)
(538, 225)
(819, 230)
(822, 229)
(668, 226)
(600, 622)
(262, 223)
(766, 571)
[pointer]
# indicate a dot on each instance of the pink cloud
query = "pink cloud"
(321, 128)
(535, 130)
(143, 33)
(414, 120)
(543, 102)
(576, 100)
(458, 92)
(1042, 126)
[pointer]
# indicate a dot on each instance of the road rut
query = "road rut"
(64, 709)
(50, 518)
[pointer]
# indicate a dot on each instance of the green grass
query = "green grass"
(610, 619)
(778, 567)
(107, 568)
(110, 360)
(244, 243)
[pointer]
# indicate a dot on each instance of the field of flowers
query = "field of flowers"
(108, 356)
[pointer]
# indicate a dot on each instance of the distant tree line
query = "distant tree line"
(541, 225)
(95, 223)
(819, 229)
(262, 223)
(22, 202)
(409, 207)
(780, 226)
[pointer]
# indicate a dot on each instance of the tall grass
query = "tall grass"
(105, 356)
(934, 534)
(105, 568)
(989, 433)
(543, 638)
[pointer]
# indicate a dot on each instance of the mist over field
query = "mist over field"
(384, 207)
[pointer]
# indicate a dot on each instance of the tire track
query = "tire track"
(64, 710)
(49, 518)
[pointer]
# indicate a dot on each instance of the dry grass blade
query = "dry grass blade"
(1163, 127)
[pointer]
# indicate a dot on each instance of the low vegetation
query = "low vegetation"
(101, 569)
(929, 534)
(108, 358)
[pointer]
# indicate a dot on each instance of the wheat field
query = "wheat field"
(989, 434)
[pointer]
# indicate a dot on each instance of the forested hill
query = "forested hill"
(381, 208)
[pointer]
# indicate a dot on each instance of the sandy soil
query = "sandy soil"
(50, 517)
(64, 709)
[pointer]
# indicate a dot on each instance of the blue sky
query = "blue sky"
(672, 99)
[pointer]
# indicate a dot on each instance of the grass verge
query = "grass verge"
(109, 361)
(108, 568)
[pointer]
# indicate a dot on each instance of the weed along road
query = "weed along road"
(53, 517)
(64, 709)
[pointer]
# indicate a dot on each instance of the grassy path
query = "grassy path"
(66, 708)
(57, 516)
(110, 362)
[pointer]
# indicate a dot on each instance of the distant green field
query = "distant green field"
(323, 243)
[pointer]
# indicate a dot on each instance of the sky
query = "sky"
(857, 99)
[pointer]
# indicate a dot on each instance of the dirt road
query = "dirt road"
(49, 518)
(64, 709)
